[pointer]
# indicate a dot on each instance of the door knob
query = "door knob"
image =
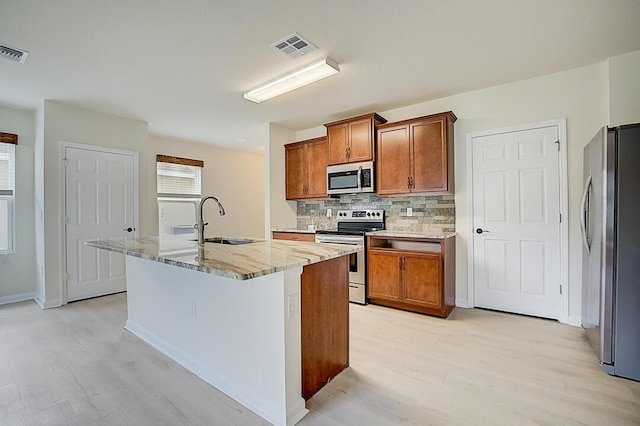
(480, 231)
(129, 229)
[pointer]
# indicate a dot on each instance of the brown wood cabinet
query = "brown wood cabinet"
(293, 236)
(416, 274)
(306, 169)
(353, 140)
(416, 156)
(324, 320)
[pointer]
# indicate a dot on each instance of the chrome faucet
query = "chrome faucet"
(200, 226)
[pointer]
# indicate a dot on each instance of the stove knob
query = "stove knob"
(378, 214)
(368, 213)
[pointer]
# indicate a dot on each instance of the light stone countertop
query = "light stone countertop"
(403, 234)
(241, 262)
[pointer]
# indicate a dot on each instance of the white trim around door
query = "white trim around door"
(564, 207)
(62, 148)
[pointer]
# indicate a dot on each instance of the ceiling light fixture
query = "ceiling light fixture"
(294, 80)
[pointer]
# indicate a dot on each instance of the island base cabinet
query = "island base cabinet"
(324, 323)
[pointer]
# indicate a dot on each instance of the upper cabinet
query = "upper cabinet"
(306, 169)
(416, 156)
(353, 140)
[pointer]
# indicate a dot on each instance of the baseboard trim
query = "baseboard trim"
(251, 401)
(5, 300)
(47, 305)
(574, 321)
(462, 303)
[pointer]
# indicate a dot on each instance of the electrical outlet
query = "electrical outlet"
(293, 305)
(328, 212)
(409, 211)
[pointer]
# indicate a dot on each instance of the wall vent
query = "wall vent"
(12, 54)
(294, 46)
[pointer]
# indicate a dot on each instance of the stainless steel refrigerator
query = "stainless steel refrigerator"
(610, 224)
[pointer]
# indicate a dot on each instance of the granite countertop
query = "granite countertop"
(296, 230)
(408, 234)
(241, 262)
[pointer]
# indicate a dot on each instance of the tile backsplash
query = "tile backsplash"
(431, 214)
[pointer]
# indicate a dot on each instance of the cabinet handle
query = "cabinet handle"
(409, 182)
(348, 152)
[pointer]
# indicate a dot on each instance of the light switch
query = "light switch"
(328, 212)
(409, 211)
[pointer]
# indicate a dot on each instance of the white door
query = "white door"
(99, 203)
(516, 222)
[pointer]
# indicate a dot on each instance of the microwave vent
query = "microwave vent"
(13, 54)
(294, 46)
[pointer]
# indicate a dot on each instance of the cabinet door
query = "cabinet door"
(295, 171)
(393, 161)
(423, 279)
(360, 140)
(384, 280)
(429, 153)
(338, 140)
(317, 160)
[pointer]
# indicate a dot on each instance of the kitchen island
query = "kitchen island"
(264, 322)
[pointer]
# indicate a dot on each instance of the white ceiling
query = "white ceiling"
(183, 66)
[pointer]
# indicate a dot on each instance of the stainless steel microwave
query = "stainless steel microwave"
(350, 178)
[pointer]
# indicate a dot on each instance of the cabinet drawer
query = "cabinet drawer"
(294, 236)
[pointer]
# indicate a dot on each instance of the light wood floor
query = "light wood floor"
(77, 365)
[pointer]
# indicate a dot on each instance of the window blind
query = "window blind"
(175, 180)
(7, 168)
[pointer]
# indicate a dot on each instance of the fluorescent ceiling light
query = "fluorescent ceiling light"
(298, 78)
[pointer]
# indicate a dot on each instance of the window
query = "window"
(7, 192)
(179, 181)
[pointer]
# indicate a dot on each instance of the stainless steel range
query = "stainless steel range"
(352, 225)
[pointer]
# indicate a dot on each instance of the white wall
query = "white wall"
(17, 270)
(624, 89)
(63, 123)
(234, 177)
(281, 213)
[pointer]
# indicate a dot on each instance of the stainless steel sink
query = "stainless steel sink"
(230, 241)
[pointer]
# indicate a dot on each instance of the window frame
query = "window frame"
(10, 194)
(179, 198)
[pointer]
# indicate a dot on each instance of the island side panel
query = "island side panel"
(230, 333)
(325, 323)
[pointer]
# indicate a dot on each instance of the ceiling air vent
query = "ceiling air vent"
(294, 46)
(13, 54)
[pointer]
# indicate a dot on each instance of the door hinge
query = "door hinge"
(560, 217)
(67, 277)
(558, 145)
(64, 162)
(67, 221)
(560, 288)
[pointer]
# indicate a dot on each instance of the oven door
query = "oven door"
(356, 260)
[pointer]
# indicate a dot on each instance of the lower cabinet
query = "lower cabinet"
(420, 278)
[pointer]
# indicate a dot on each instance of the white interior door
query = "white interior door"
(99, 203)
(516, 217)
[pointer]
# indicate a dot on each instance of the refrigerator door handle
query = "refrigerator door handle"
(584, 213)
